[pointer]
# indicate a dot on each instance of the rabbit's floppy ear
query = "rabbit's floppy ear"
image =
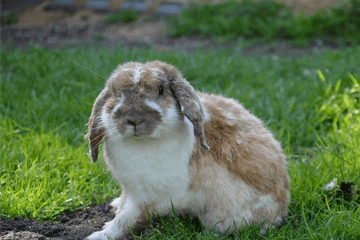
(96, 132)
(188, 100)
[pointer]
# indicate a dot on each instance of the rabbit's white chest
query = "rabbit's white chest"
(153, 170)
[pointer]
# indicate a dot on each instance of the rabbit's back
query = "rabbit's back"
(244, 172)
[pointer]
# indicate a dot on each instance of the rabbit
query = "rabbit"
(172, 148)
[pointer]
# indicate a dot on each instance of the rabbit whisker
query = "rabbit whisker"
(88, 95)
(85, 103)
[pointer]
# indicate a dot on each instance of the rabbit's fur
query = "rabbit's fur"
(171, 147)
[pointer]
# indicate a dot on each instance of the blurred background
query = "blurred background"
(161, 23)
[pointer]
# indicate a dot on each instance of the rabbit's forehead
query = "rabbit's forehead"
(138, 77)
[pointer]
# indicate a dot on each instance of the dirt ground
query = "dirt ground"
(71, 226)
(76, 225)
(56, 28)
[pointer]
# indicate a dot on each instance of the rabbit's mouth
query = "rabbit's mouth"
(137, 135)
(136, 129)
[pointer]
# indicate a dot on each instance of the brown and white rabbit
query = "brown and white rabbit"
(171, 147)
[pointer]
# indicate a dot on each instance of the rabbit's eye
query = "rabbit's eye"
(161, 90)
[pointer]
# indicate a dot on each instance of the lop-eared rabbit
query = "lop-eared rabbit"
(171, 147)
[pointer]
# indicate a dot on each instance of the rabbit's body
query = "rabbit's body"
(149, 117)
(244, 173)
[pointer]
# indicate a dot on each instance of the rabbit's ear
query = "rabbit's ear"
(96, 131)
(188, 100)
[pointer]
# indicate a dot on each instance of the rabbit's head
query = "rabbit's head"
(144, 101)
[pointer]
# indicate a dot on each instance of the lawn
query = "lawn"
(311, 104)
(269, 19)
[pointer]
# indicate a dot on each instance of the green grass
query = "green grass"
(8, 19)
(310, 103)
(125, 16)
(268, 19)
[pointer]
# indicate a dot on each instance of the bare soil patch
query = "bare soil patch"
(74, 225)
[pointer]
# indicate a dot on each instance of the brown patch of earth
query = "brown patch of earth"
(37, 15)
(75, 225)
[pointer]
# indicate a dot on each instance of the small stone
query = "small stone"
(64, 219)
